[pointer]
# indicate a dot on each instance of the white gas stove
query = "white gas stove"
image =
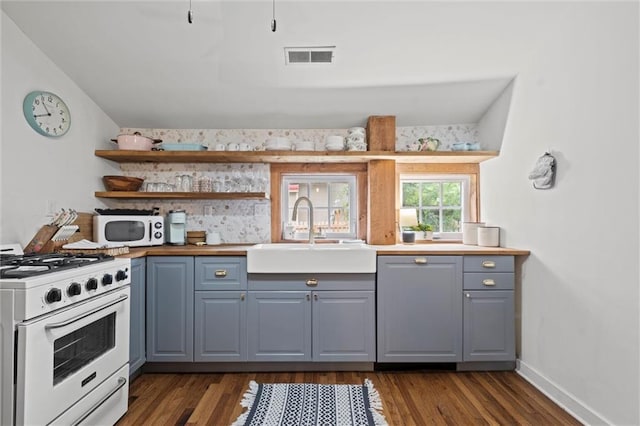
(64, 343)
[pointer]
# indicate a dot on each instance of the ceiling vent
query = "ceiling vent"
(309, 55)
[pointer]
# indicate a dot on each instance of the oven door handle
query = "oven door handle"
(121, 382)
(122, 298)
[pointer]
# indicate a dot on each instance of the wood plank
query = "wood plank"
(124, 156)
(381, 133)
(141, 195)
(382, 227)
(408, 397)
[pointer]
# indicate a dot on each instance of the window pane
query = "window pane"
(319, 194)
(451, 220)
(410, 195)
(430, 194)
(451, 193)
(430, 217)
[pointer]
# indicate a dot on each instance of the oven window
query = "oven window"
(79, 348)
(124, 230)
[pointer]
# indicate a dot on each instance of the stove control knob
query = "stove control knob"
(92, 284)
(53, 295)
(74, 289)
(107, 279)
(121, 275)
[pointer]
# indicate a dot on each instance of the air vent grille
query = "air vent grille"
(309, 55)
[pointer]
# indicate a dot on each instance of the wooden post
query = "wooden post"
(381, 133)
(382, 201)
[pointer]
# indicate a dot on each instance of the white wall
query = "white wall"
(578, 96)
(36, 169)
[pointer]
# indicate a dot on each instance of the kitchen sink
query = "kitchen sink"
(315, 258)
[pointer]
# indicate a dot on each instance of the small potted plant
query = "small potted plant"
(426, 230)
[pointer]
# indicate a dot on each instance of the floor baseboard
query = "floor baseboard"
(557, 394)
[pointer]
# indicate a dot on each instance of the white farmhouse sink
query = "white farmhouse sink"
(315, 258)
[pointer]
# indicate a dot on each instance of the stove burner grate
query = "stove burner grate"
(24, 266)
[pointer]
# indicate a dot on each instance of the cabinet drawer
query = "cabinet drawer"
(221, 273)
(488, 281)
(488, 264)
(302, 282)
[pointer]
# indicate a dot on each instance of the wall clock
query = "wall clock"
(46, 113)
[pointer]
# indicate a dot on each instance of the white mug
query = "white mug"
(213, 238)
(220, 147)
(245, 147)
(232, 146)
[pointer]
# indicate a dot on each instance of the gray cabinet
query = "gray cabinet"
(220, 317)
(489, 309)
(279, 326)
(137, 355)
(170, 292)
(419, 308)
(343, 327)
(327, 317)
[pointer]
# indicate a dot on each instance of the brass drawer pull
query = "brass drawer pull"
(420, 260)
(221, 273)
(488, 264)
(312, 282)
(488, 282)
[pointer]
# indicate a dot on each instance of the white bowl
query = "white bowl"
(334, 140)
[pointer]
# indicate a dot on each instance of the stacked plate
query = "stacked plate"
(334, 143)
(278, 144)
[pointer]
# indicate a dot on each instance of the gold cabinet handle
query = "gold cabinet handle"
(488, 264)
(308, 297)
(312, 282)
(420, 260)
(221, 273)
(315, 297)
(488, 282)
(242, 296)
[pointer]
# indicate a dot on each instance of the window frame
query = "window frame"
(465, 211)
(444, 171)
(306, 178)
(277, 170)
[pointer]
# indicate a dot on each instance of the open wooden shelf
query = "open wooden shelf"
(125, 156)
(183, 195)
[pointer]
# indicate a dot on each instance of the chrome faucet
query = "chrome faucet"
(295, 215)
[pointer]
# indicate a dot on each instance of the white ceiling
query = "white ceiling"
(145, 66)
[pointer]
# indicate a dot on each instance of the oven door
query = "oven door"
(62, 357)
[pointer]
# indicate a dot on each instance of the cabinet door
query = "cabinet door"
(343, 326)
(279, 326)
(220, 326)
(419, 308)
(489, 327)
(137, 328)
(170, 308)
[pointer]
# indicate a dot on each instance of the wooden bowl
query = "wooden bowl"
(122, 183)
(194, 237)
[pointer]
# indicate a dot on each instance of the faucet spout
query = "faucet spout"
(294, 216)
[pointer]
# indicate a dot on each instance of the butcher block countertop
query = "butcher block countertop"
(408, 249)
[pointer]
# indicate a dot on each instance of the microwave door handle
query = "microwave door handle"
(122, 298)
(150, 230)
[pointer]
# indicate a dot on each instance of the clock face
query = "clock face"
(46, 113)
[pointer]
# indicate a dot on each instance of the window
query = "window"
(334, 199)
(442, 201)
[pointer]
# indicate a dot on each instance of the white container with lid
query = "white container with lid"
(489, 236)
(470, 232)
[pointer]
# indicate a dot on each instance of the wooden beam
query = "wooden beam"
(382, 201)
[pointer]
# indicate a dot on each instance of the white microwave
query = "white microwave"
(130, 231)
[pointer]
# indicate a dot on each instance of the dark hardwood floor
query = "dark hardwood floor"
(409, 398)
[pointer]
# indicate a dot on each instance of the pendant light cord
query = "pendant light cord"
(273, 20)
